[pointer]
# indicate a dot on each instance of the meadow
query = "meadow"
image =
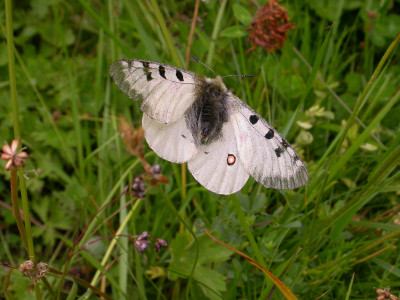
(96, 213)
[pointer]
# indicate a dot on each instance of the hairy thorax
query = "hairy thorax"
(206, 116)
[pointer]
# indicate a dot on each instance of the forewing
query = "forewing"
(212, 165)
(265, 154)
(172, 142)
(166, 91)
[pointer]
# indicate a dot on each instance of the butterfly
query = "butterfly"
(193, 119)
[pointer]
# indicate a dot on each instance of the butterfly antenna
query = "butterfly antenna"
(238, 76)
(198, 60)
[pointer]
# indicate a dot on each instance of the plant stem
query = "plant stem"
(26, 234)
(113, 244)
(215, 32)
(15, 206)
(167, 36)
(364, 94)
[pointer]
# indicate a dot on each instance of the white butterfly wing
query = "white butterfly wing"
(265, 154)
(166, 91)
(247, 145)
(173, 142)
(217, 166)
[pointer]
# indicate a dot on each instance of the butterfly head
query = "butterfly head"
(218, 83)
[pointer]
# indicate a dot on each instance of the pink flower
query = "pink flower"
(14, 158)
(141, 242)
(160, 243)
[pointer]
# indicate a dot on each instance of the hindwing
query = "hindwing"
(265, 154)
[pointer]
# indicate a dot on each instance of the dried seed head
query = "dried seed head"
(42, 269)
(385, 294)
(269, 28)
(133, 139)
(34, 272)
(26, 267)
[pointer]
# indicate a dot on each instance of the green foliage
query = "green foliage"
(183, 258)
(338, 234)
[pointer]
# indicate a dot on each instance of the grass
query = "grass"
(331, 90)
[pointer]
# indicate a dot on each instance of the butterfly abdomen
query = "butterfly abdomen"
(208, 112)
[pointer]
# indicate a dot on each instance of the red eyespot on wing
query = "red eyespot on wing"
(231, 159)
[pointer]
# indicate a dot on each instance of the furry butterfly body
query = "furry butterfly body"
(189, 118)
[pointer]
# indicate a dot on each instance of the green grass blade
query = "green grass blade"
(309, 85)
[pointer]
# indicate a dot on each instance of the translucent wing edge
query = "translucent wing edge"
(300, 171)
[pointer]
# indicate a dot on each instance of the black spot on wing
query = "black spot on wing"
(278, 152)
(183, 136)
(146, 70)
(253, 119)
(270, 134)
(206, 152)
(285, 143)
(130, 63)
(161, 70)
(296, 158)
(179, 75)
